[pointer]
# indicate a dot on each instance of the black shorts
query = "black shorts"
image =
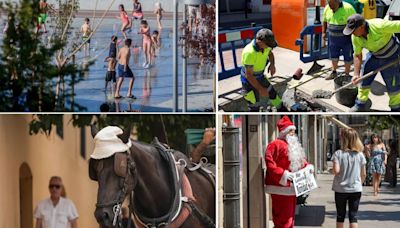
(111, 75)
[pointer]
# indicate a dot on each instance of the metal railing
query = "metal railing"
(230, 41)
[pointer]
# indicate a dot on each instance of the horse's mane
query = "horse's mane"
(151, 147)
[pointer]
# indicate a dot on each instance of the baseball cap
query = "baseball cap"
(266, 36)
(353, 22)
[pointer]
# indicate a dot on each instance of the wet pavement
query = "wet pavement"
(153, 87)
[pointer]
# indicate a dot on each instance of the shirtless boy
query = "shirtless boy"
(124, 71)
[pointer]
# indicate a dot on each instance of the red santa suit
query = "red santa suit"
(280, 162)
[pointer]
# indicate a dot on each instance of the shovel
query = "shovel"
(328, 94)
(315, 68)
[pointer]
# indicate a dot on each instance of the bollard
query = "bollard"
(230, 137)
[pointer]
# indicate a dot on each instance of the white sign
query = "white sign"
(304, 181)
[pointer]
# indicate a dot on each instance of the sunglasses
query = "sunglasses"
(54, 186)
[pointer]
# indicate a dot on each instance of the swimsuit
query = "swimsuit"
(122, 73)
(137, 11)
(42, 18)
(84, 38)
(146, 38)
(124, 18)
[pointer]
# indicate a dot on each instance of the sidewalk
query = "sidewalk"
(374, 211)
(287, 62)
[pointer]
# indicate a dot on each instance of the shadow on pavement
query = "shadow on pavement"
(380, 216)
(310, 216)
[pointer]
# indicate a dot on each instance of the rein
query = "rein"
(177, 170)
(117, 204)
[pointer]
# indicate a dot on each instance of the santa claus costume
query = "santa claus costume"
(283, 156)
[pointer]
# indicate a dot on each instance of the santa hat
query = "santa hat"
(107, 143)
(285, 125)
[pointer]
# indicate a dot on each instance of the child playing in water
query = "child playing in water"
(126, 23)
(112, 61)
(145, 31)
(155, 44)
(158, 11)
(43, 13)
(137, 10)
(86, 30)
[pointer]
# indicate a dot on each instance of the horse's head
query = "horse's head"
(116, 178)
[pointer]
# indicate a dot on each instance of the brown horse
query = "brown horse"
(144, 174)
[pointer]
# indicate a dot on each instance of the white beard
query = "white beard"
(296, 153)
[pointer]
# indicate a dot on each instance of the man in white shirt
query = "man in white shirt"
(56, 211)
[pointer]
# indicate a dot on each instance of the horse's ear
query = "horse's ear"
(93, 130)
(126, 134)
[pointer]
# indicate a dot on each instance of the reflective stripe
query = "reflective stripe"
(395, 108)
(336, 30)
(388, 50)
(394, 99)
(256, 74)
(250, 97)
(363, 94)
(365, 87)
(336, 34)
(277, 102)
(336, 27)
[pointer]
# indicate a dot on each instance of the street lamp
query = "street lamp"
(175, 53)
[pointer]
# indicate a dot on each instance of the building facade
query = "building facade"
(28, 161)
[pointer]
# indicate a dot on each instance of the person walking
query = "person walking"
(349, 170)
(124, 70)
(56, 211)
(376, 165)
(158, 11)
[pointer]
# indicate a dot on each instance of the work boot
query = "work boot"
(358, 108)
(333, 75)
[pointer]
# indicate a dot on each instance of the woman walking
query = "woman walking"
(376, 165)
(349, 170)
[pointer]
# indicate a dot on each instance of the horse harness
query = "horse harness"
(124, 166)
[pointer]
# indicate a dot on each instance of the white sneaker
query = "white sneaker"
(145, 64)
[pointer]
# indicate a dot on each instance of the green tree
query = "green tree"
(39, 74)
(383, 122)
(26, 62)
